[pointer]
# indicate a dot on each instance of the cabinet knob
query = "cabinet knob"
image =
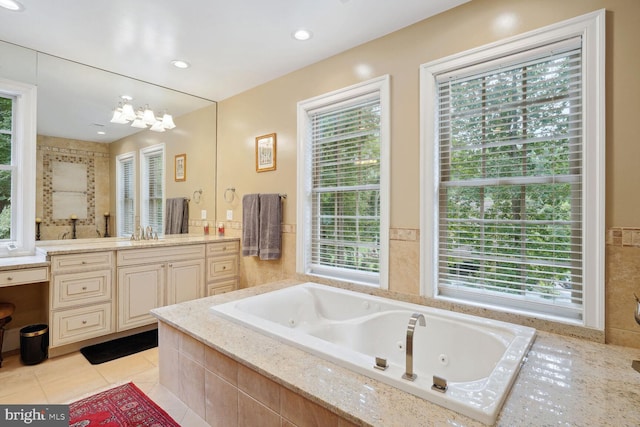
(84, 288)
(224, 267)
(84, 262)
(9, 278)
(84, 322)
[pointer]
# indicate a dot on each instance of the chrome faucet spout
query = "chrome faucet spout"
(415, 318)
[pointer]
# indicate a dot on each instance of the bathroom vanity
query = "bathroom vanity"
(99, 289)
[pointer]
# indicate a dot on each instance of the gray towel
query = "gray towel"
(250, 225)
(176, 218)
(270, 226)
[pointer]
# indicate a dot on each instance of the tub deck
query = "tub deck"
(478, 358)
(565, 381)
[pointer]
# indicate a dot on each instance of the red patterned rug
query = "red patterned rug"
(121, 406)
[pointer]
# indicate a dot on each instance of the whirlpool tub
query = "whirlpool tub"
(473, 360)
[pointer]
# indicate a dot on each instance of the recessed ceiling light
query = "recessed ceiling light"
(126, 97)
(302, 34)
(101, 132)
(180, 64)
(12, 5)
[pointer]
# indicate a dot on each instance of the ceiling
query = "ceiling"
(232, 46)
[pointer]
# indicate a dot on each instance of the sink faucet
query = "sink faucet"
(415, 317)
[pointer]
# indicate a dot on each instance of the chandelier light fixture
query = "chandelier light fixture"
(142, 117)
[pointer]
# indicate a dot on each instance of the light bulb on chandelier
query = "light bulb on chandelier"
(125, 114)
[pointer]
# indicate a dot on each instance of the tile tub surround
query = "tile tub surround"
(225, 392)
(565, 381)
(623, 270)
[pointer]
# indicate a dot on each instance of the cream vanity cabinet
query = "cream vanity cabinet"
(223, 260)
(81, 297)
(152, 277)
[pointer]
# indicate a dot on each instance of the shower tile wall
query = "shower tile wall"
(94, 159)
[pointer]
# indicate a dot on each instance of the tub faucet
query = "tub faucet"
(415, 317)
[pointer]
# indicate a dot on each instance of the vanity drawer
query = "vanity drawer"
(78, 262)
(221, 287)
(223, 248)
(220, 267)
(81, 288)
(162, 254)
(27, 275)
(81, 323)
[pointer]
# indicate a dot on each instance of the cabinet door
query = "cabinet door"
(140, 289)
(185, 281)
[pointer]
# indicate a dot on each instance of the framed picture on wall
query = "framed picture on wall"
(180, 167)
(266, 153)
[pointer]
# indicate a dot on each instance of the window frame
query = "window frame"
(23, 164)
(381, 86)
(145, 154)
(591, 28)
(120, 159)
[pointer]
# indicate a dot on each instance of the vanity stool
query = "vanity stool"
(6, 310)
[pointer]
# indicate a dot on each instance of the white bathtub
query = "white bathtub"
(479, 358)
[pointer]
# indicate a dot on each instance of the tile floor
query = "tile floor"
(68, 378)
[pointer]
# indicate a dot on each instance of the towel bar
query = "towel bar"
(233, 192)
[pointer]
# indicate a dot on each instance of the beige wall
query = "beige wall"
(195, 136)
(272, 108)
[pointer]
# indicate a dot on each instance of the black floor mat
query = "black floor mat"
(111, 350)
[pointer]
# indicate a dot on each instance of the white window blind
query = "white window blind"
(345, 187)
(7, 166)
(153, 188)
(126, 174)
(17, 167)
(511, 180)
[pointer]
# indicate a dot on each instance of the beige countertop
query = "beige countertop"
(22, 262)
(565, 381)
(47, 248)
(70, 246)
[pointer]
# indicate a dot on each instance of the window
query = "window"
(17, 168)
(343, 180)
(516, 140)
(126, 194)
(152, 183)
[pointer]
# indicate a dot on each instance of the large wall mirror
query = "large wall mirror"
(75, 173)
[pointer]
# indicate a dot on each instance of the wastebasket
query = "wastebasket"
(34, 344)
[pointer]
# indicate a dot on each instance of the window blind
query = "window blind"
(153, 190)
(345, 188)
(126, 195)
(510, 189)
(7, 167)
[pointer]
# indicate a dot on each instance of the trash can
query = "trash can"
(34, 344)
